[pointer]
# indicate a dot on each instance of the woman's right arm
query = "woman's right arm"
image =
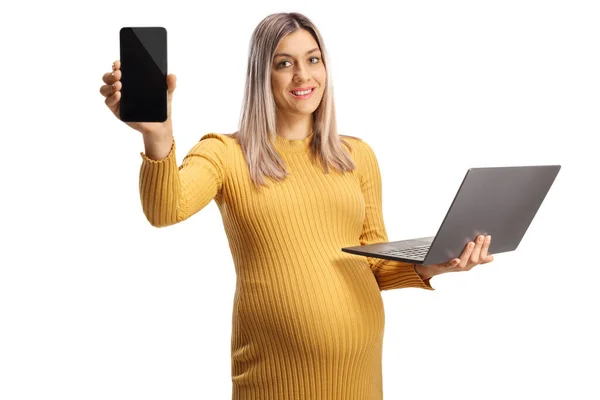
(170, 194)
(158, 149)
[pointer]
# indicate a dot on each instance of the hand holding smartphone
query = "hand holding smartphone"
(158, 136)
(143, 56)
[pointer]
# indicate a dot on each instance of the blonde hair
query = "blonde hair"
(257, 127)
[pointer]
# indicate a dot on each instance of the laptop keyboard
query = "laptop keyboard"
(413, 253)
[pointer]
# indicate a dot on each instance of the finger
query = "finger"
(488, 259)
(107, 90)
(113, 99)
(474, 258)
(453, 263)
(464, 257)
(111, 77)
(485, 248)
(116, 65)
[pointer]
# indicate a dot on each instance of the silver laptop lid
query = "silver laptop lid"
(499, 201)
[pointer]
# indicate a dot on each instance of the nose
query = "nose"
(301, 73)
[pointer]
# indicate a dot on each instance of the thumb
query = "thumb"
(171, 84)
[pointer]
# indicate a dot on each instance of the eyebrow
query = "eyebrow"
(287, 55)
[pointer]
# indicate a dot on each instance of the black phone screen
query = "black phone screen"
(143, 74)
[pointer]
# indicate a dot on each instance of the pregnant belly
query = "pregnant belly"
(320, 312)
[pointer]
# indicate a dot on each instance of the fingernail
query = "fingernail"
(471, 245)
(113, 66)
(488, 238)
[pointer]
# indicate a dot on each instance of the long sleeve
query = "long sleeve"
(171, 194)
(390, 274)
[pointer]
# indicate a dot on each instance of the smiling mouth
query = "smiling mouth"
(302, 92)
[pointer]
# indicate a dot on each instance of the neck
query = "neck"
(294, 127)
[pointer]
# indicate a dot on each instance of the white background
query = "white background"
(97, 304)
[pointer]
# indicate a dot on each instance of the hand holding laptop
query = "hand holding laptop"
(499, 201)
(475, 253)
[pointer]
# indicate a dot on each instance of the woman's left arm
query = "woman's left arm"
(390, 274)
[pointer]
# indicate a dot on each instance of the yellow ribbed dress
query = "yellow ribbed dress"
(308, 319)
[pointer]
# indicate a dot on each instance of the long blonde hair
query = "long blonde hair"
(257, 127)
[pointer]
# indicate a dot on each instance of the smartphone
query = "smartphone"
(143, 59)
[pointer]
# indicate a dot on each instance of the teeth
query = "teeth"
(302, 93)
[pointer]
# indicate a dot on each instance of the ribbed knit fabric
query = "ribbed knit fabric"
(308, 319)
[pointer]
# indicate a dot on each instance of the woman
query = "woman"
(308, 319)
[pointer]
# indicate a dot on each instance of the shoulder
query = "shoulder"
(215, 139)
(351, 139)
(223, 140)
(213, 146)
(213, 143)
(359, 148)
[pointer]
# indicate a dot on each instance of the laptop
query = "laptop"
(496, 201)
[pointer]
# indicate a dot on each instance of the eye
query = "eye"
(280, 65)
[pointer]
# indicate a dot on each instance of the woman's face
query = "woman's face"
(297, 64)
